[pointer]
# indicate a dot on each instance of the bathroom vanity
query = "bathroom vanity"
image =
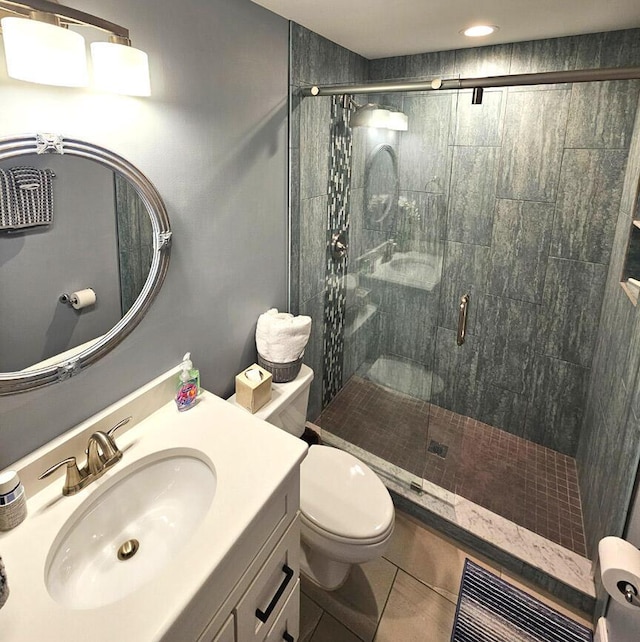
(211, 497)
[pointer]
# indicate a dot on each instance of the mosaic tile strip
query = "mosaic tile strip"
(337, 221)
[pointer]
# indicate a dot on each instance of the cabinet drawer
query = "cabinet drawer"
(226, 587)
(225, 634)
(287, 627)
(259, 608)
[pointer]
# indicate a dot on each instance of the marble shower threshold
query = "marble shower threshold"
(561, 572)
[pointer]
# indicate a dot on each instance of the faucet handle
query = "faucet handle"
(74, 479)
(126, 420)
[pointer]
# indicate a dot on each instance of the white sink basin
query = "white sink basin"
(413, 269)
(126, 531)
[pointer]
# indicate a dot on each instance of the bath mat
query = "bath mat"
(492, 610)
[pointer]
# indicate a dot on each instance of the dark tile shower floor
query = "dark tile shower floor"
(530, 485)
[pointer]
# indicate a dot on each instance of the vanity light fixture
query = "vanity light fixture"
(120, 68)
(378, 116)
(40, 48)
(44, 52)
(477, 31)
(398, 121)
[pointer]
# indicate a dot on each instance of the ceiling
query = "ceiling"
(382, 28)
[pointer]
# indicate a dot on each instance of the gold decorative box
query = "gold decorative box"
(253, 388)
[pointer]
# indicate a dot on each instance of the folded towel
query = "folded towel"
(26, 197)
(281, 337)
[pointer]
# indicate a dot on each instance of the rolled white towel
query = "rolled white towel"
(281, 337)
(263, 331)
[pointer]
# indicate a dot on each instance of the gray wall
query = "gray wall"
(38, 264)
(213, 140)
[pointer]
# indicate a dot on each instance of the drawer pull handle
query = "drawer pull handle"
(287, 637)
(263, 616)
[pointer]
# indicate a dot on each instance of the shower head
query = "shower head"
(379, 116)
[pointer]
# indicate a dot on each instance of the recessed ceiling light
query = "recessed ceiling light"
(479, 30)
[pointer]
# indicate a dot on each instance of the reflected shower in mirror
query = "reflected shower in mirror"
(381, 187)
(135, 241)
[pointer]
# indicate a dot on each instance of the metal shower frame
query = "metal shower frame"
(514, 80)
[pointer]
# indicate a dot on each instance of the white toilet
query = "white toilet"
(347, 515)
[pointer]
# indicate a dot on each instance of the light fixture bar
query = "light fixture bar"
(66, 14)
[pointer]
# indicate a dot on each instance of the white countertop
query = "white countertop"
(251, 460)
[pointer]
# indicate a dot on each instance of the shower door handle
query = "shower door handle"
(462, 319)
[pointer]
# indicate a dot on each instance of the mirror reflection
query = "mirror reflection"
(381, 187)
(100, 237)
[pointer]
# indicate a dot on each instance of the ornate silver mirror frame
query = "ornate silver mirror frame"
(14, 146)
(378, 206)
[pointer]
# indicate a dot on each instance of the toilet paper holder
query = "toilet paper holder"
(620, 570)
(629, 591)
(70, 298)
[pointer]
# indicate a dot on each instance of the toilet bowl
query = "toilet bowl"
(346, 513)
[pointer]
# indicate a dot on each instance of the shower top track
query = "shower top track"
(545, 78)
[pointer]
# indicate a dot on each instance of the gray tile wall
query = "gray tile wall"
(314, 60)
(609, 447)
(539, 241)
(537, 176)
(533, 179)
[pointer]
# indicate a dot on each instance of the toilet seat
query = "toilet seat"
(342, 499)
(341, 539)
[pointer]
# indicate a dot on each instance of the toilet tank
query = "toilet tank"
(288, 406)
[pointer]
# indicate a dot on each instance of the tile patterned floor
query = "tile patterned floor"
(410, 594)
(531, 485)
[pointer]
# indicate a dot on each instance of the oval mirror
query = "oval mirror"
(74, 218)
(380, 187)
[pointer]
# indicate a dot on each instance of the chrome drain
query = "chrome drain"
(128, 549)
(438, 449)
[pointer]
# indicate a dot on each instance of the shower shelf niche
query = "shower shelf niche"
(631, 272)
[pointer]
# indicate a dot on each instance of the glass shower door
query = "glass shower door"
(396, 215)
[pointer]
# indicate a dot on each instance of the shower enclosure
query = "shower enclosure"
(453, 342)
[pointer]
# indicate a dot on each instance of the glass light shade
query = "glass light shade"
(44, 53)
(370, 115)
(120, 69)
(379, 118)
(398, 121)
(373, 115)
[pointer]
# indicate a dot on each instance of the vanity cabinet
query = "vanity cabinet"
(227, 633)
(264, 605)
(234, 576)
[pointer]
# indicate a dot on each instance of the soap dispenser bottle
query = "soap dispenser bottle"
(187, 394)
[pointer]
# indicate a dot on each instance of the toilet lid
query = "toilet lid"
(342, 495)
